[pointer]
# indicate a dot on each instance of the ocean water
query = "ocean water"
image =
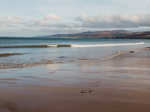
(23, 52)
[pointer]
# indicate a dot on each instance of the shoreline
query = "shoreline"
(119, 84)
(60, 61)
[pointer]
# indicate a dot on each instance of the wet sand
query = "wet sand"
(119, 84)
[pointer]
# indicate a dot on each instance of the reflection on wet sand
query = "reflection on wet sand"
(8, 107)
(120, 84)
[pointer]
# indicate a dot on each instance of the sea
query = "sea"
(26, 52)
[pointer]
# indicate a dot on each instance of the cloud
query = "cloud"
(45, 20)
(10, 19)
(52, 17)
(56, 30)
(46, 24)
(10, 22)
(39, 22)
(115, 20)
(52, 24)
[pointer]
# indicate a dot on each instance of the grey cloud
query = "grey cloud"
(6, 25)
(100, 21)
(83, 23)
(54, 30)
(90, 23)
(10, 22)
(41, 23)
(10, 19)
(115, 20)
(45, 20)
(52, 17)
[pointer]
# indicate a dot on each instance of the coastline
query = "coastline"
(118, 84)
(57, 61)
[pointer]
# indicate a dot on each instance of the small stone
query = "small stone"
(90, 90)
(61, 57)
(131, 51)
(83, 91)
(148, 48)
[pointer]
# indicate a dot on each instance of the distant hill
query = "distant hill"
(116, 34)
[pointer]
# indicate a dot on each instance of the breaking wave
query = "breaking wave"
(105, 45)
(69, 45)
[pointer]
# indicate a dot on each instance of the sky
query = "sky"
(28, 18)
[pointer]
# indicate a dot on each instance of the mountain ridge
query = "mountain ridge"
(114, 34)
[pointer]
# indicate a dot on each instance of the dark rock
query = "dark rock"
(90, 91)
(83, 91)
(131, 51)
(86, 91)
(61, 57)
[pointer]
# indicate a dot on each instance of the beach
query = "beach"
(74, 56)
(118, 84)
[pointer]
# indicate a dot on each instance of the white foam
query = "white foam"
(104, 45)
(51, 45)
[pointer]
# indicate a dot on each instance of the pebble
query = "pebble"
(131, 51)
(86, 91)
